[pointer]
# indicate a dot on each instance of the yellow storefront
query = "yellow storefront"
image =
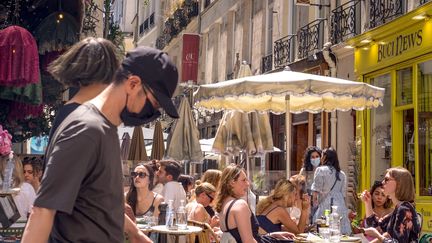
(398, 56)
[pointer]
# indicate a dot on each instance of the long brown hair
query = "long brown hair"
(229, 174)
(405, 191)
(282, 188)
(132, 194)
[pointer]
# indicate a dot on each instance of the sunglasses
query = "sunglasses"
(139, 174)
(387, 179)
(210, 197)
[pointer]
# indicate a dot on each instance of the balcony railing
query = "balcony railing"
(423, 1)
(282, 51)
(345, 21)
(177, 22)
(382, 11)
(266, 63)
(310, 38)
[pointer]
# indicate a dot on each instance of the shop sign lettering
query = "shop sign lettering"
(400, 45)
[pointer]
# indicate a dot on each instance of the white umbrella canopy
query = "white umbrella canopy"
(240, 132)
(288, 92)
(268, 92)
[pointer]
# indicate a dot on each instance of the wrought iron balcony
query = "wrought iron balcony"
(282, 51)
(177, 22)
(345, 21)
(266, 63)
(310, 38)
(382, 11)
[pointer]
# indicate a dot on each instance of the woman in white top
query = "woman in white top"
(25, 198)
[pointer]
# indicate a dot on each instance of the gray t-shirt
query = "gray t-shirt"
(83, 179)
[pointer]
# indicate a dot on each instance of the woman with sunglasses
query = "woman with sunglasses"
(402, 225)
(204, 195)
(141, 198)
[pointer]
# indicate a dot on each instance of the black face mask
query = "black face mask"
(146, 115)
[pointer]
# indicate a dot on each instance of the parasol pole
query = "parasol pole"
(288, 136)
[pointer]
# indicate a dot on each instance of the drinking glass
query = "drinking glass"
(325, 233)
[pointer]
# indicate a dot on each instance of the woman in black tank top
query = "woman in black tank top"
(140, 197)
(236, 218)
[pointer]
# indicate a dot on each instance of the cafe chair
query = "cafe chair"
(420, 220)
(204, 235)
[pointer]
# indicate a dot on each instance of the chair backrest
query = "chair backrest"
(420, 220)
(205, 234)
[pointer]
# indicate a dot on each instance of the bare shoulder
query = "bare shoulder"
(240, 206)
(159, 198)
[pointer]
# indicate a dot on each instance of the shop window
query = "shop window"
(425, 127)
(408, 141)
(404, 94)
(380, 120)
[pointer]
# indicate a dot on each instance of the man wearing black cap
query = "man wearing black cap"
(81, 195)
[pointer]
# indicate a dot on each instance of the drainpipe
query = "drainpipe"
(333, 118)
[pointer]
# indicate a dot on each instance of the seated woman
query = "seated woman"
(204, 195)
(402, 225)
(236, 219)
(381, 204)
(301, 197)
(272, 213)
(213, 177)
(142, 200)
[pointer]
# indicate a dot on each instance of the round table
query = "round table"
(162, 229)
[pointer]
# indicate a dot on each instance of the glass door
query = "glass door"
(424, 101)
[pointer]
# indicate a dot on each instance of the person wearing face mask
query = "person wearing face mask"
(83, 179)
(311, 161)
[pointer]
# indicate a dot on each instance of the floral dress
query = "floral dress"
(402, 225)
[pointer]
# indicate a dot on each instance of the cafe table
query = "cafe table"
(162, 229)
(309, 238)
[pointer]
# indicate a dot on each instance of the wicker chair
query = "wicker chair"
(204, 235)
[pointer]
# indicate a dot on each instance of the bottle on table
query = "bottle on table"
(170, 216)
(182, 216)
(334, 225)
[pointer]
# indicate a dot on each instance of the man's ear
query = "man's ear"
(170, 177)
(133, 84)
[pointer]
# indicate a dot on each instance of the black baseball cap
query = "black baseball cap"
(157, 72)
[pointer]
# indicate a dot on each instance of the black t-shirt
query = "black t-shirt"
(83, 179)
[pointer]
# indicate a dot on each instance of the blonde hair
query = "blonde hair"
(212, 176)
(282, 188)
(204, 187)
(17, 175)
(404, 184)
(230, 173)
